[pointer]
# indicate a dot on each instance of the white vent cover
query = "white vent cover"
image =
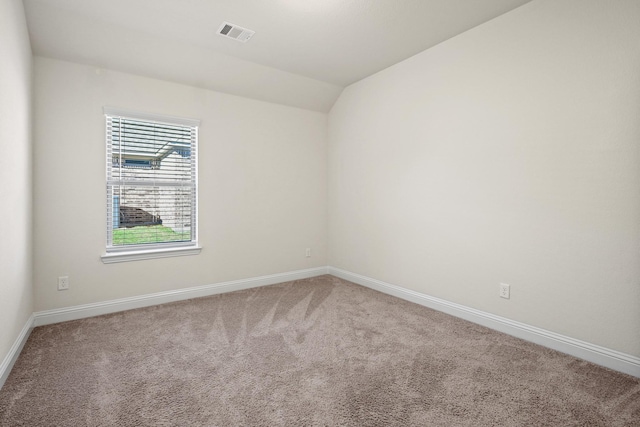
(235, 32)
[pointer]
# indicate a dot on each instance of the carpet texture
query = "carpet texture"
(314, 352)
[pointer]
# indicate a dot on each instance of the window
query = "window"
(151, 186)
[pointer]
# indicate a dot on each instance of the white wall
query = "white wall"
(510, 153)
(16, 301)
(262, 176)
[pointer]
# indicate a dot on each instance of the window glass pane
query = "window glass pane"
(143, 214)
(151, 185)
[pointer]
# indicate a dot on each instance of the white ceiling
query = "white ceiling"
(303, 54)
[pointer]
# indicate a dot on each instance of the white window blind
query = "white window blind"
(151, 181)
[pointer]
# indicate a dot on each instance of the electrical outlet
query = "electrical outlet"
(504, 290)
(63, 283)
(308, 252)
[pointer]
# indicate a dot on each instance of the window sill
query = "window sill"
(113, 257)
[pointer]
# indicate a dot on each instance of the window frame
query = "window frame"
(124, 253)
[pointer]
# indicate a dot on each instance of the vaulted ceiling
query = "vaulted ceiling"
(304, 52)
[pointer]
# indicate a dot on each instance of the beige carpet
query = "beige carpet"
(315, 352)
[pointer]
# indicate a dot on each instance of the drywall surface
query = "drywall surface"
(16, 293)
(262, 185)
(508, 154)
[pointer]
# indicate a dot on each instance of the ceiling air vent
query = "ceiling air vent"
(235, 32)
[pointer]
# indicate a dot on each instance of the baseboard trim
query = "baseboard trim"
(609, 358)
(603, 356)
(14, 351)
(96, 309)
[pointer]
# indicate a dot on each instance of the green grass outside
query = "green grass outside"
(148, 234)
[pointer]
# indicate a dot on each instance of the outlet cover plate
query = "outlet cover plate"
(505, 291)
(63, 283)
